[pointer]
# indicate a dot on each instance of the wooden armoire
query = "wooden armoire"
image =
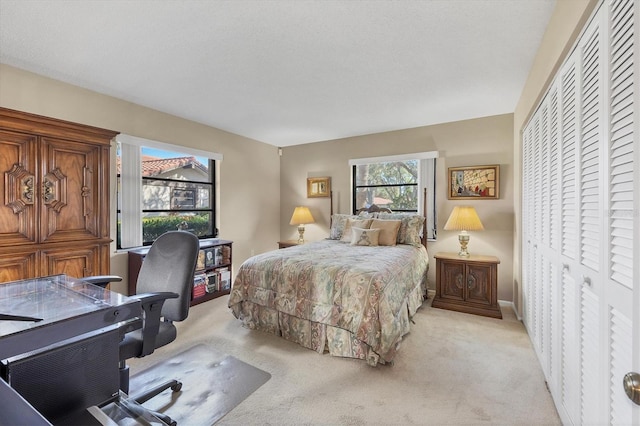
(54, 212)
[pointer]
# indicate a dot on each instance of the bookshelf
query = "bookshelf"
(213, 270)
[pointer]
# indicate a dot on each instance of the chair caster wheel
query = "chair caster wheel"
(177, 387)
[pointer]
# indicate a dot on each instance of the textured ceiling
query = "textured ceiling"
(286, 72)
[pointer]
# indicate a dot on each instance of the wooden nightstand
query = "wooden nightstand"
(287, 243)
(467, 284)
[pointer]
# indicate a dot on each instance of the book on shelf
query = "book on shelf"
(200, 263)
(225, 279)
(225, 254)
(213, 282)
(210, 257)
(199, 285)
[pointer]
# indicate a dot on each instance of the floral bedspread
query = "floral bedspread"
(357, 300)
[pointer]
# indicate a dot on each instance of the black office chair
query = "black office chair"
(164, 287)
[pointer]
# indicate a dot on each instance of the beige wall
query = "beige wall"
(249, 174)
(259, 189)
(464, 143)
(564, 27)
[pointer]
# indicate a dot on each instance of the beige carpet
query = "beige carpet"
(453, 368)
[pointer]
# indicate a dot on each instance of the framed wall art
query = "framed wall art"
(474, 182)
(318, 187)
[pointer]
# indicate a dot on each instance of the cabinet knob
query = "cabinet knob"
(27, 190)
(586, 280)
(48, 190)
(471, 281)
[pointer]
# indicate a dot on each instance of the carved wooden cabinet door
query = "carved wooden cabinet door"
(454, 281)
(80, 261)
(70, 201)
(18, 188)
(478, 278)
(16, 264)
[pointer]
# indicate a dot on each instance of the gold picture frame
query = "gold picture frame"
(318, 187)
(474, 183)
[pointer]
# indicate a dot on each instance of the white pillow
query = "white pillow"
(357, 223)
(364, 237)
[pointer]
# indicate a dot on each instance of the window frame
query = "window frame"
(131, 183)
(426, 179)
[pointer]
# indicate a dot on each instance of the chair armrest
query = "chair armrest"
(101, 280)
(156, 296)
(152, 311)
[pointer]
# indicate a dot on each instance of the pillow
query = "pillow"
(364, 237)
(410, 228)
(354, 223)
(388, 231)
(338, 222)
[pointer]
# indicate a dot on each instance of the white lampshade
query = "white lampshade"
(301, 216)
(463, 218)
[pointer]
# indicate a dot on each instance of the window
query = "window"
(396, 182)
(163, 187)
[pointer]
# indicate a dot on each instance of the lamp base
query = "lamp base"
(300, 234)
(463, 238)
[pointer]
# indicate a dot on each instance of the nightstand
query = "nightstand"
(467, 284)
(287, 243)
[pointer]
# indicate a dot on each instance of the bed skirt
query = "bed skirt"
(327, 338)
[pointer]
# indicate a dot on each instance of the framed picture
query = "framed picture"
(318, 187)
(474, 182)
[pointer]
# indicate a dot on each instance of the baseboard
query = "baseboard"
(510, 305)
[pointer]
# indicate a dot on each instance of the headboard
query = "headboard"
(373, 209)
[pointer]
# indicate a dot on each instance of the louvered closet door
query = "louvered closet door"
(621, 319)
(554, 330)
(581, 253)
(567, 392)
(590, 232)
(528, 283)
(543, 254)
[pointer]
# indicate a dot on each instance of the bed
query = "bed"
(343, 295)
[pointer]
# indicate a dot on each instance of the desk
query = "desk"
(67, 307)
(71, 352)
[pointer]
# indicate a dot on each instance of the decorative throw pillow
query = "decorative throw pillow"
(338, 222)
(410, 228)
(364, 237)
(354, 223)
(388, 231)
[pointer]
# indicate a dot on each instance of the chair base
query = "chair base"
(174, 385)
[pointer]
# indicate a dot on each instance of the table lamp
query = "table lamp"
(301, 216)
(463, 219)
